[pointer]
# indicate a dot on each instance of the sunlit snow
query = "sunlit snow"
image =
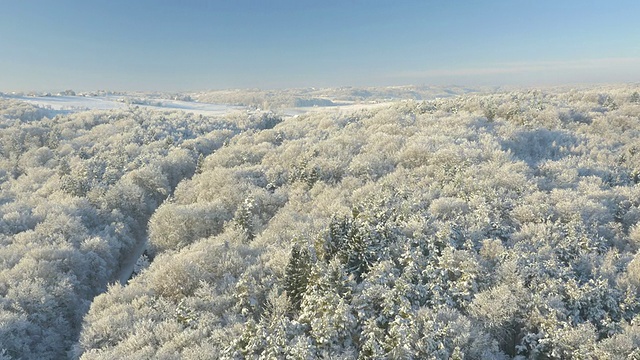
(68, 104)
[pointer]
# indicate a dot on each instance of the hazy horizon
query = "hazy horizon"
(167, 46)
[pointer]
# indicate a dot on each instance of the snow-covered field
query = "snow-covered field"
(71, 104)
(339, 108)
(68, 104)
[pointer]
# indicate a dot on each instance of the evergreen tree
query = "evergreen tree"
(244, 218)
(327, 311)
(297, 275)
(199, 163)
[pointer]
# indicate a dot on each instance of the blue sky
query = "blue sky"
(194, 45)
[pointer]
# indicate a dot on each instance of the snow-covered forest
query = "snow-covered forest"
(493, 225)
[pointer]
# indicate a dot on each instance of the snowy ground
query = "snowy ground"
(339, 108)
(69, 104)
(128, 265)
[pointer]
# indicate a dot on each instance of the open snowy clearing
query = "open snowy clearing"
(71, 104)
(68, 104)
(338, 108)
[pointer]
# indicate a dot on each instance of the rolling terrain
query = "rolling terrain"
(494, 225)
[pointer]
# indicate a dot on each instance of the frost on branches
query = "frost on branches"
(484, 226)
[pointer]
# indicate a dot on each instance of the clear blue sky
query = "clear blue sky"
(192, 45)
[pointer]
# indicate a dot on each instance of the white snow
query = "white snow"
(338, 108)
(193, 107)
(128, 264)
(71, 103)
(67, 104)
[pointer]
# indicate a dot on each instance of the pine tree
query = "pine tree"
(297, 275)
(199, 164)
(244, 218)
(327, 311)
(358, 241)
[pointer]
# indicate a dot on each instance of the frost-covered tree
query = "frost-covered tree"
(497, 226)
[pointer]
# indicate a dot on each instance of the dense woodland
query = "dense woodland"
(76, 194)
(483, 226)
